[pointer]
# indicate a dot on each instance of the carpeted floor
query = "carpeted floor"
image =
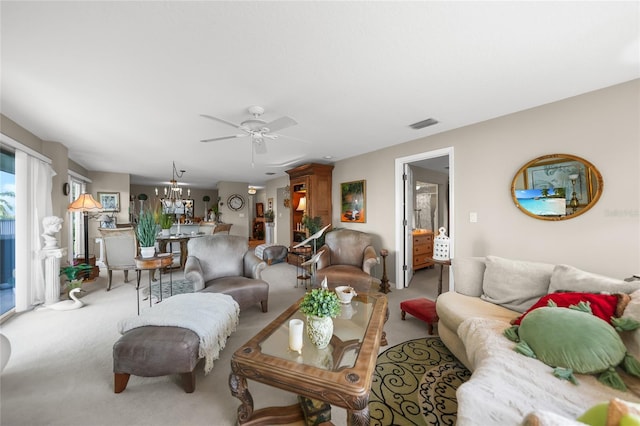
(415, 383)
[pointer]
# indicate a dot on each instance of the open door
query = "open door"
(408, 225)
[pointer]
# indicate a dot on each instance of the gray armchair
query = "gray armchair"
(224, 264)
(347, 260)
(120, 250)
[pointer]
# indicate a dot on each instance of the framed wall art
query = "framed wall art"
(110, 201)
(353, 203)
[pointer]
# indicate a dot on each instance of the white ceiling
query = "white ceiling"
(123, 84)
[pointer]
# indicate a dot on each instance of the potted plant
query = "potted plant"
(269, 216)
(320, 306)
(75, 274)
(166, 220)
(146, 233)
(314, 225)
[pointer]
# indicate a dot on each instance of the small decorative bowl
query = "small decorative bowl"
(345, 293)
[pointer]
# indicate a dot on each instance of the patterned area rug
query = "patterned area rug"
(415, 383)
(179, 286)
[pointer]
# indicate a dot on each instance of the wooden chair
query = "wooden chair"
(222, 228)
(120, 250)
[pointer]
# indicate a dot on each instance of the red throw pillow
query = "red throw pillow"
(602, 305)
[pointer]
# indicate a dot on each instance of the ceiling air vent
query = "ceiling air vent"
(424, 123)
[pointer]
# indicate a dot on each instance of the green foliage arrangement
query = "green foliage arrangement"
(269, 215)
(146, 229)
(321, 303)
(72, 272)
(166, 220)
(314, 225)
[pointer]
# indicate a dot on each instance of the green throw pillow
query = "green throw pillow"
(573, 340)
(615, 412)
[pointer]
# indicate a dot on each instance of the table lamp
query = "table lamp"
(85, 203)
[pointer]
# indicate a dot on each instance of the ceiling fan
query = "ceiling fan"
(257, 128)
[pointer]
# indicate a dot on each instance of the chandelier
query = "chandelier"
(172, 201)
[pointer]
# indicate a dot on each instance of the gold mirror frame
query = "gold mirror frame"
(534, 192)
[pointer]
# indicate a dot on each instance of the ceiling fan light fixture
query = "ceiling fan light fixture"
(424, 123)
(251, 190)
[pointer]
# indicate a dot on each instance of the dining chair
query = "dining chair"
(222, 228)
(120, 250)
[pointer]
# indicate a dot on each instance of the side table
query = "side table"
(302, 254)
(160, 261)
(442, 264)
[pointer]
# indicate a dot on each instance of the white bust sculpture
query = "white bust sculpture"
(51, 225)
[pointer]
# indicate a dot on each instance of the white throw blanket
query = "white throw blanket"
(506, 386)
(212, 316)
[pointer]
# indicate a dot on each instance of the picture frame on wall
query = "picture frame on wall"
(110, 201)
(353, 201)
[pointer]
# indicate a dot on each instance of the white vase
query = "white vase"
(319, 330)
(166, 232)
(147, 252)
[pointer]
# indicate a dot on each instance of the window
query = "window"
(7, 232)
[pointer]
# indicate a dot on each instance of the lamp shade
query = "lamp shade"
(85, 203)
(302, 205)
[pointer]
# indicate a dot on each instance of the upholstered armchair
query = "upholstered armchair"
(347, 259)
(223, 263)
(120, 249)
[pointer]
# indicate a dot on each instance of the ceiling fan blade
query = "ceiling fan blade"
(279, 124)
(210, 117)
(222, 138)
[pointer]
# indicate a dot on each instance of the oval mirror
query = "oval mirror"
(556, 187)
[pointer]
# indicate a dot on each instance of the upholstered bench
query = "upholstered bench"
(421, 308)
(271, 253)
(153, 351)
(173, 336)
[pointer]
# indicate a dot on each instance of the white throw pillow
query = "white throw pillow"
(468, 274)
(515, 284)
(569, 278)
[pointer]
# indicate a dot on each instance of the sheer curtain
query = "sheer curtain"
(33, 203)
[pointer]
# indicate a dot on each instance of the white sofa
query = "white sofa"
(507, 388)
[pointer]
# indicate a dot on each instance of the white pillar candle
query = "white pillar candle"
(295, 335)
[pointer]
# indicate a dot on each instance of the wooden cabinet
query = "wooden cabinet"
(310, 186)
(422, 249)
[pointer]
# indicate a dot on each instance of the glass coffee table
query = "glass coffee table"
(338, 375)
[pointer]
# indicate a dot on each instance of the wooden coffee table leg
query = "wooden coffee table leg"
(239, 389)
(358, 418)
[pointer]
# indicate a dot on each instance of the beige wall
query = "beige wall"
(600, 126)
(241, 220)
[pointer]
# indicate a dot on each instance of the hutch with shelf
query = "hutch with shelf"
(310, 195)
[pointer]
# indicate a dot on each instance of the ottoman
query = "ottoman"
(172, 336)
(421, 308)
(153, 351)
(271, 253)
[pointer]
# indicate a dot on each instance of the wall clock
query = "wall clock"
(235, 202)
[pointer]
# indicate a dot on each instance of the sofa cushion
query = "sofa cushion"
(468, 274)
(515, 284)
(602, 305)
(453, 308)
(569, 278)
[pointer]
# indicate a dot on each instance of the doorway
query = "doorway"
(428, 207)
